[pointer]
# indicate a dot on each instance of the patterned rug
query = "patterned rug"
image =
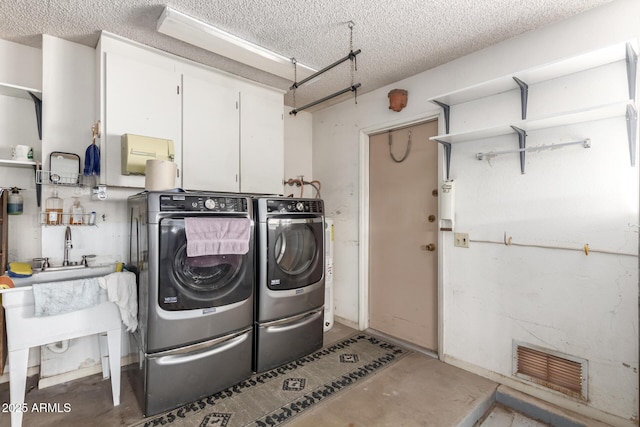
(273, 397)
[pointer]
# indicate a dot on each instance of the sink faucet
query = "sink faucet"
(67, 245)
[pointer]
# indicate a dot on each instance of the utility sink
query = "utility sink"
(71, 272)
(25, 329)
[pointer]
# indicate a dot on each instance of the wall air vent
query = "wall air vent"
(560, 372)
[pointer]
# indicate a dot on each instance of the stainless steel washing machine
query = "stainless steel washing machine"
(195, 333)
(290, 285)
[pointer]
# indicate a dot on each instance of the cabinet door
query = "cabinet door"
(140, 99)
(261, 140)
(210, 134)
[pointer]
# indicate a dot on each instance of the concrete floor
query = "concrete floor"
(418, 390)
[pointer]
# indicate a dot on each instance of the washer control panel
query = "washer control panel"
(202, 203)
(294, 206)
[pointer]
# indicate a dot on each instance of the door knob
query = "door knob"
(430, 247)
(432, 218)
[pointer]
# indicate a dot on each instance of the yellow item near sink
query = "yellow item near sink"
(20, 268)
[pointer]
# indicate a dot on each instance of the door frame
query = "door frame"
(363, 232)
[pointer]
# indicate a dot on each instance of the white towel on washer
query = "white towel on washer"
(121, 290)
(217, 236)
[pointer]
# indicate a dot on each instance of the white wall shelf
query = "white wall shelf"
(7, 89)
(26, 164)
(542, 73)
(521, 80)
(600, 112)
(22, 92)
(18, 163)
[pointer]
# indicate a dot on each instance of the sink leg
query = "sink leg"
(104, 355)
(114, 338)
(18, 360)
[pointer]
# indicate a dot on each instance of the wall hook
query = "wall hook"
(507, 241)
(586, 249)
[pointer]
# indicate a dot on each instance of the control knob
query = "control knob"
(300, 206)
(210, 204)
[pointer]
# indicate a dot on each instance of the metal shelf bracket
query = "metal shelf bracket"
(522, 143)
(632, 126)
(632, 66)
(446, 110)
(524, 96)
(447, 155)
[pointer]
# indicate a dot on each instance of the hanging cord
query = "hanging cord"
(406, 151)
(354, 61)
(295, 81)
(586, 249)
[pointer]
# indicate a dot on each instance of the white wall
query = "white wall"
(585, 306)
(22, 67)
(298, 150)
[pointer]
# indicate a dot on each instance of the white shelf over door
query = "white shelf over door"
(538, 74)
(454, 138)
(618, 109)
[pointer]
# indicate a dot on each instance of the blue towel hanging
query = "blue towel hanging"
(92, 160)
(92, 155)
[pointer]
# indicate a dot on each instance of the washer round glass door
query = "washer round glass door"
(186, 283)
(295, 252)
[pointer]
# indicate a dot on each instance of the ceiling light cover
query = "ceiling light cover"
(193, 31)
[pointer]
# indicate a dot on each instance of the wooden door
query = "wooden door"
(403, 223)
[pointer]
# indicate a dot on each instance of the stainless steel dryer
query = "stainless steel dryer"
(195, 333)
(290, 285)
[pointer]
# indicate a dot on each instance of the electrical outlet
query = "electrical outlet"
(461, 240)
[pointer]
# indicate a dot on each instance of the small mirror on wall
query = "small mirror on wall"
(65, 168)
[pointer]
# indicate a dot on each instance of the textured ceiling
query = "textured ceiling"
(398, 38)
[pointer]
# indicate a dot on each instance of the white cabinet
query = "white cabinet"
(228, 133)
(140, 99)
(233, 136)
(210, 135)
(261, 140)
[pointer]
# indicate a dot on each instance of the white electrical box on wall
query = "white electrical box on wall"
(447, 206)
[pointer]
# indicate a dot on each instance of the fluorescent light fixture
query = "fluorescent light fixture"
(201, 34)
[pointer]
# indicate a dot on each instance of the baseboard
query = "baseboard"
(548, 397)
(81, 373)
(402, 343)
(31, 371)
(542, 411)
(346, 322)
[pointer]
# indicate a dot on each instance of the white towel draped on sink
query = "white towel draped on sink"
(65, 296)
(121, 290)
